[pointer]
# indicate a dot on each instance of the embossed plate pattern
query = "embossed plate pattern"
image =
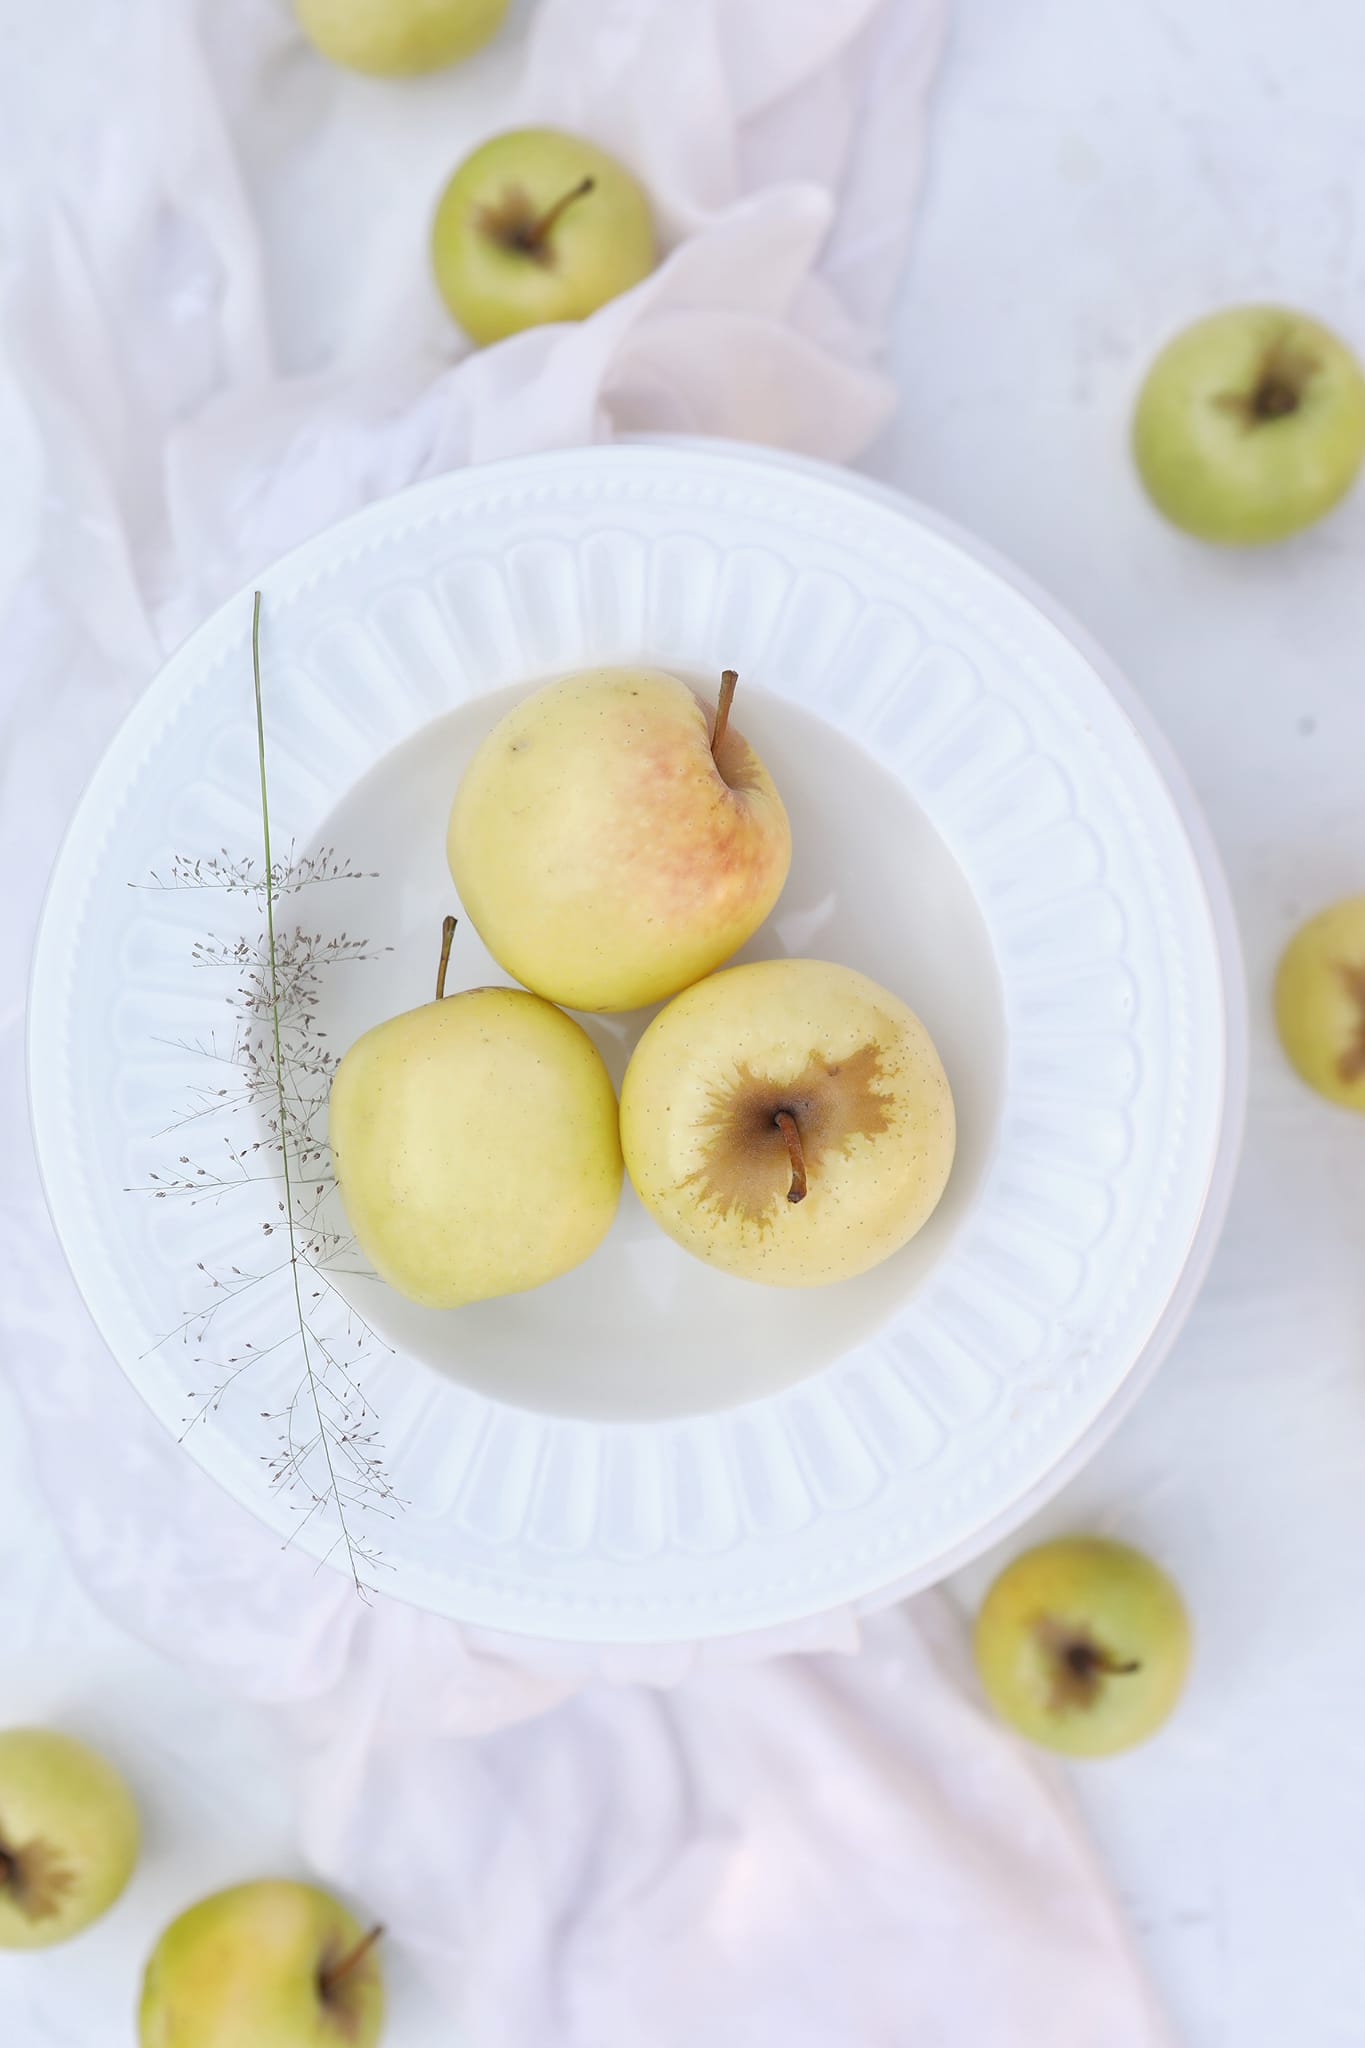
(977, 1375)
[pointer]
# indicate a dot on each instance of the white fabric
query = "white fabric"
(814, 1849)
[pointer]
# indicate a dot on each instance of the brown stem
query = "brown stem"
(329, 1979)
(6, 1868)
(787, 1124)
(447, 934)
(533, 237)
(729, 679)
(1282, 377)
(1085, 1658)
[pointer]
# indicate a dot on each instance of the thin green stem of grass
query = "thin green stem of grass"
(280, 1093)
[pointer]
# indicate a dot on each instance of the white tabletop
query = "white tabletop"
(1099, 175)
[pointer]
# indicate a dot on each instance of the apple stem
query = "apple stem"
(6, 1868)
(1085, 1658)
(728, 681)
(329, 1979)
(533, 237)
(787, 1124)
(447, 934)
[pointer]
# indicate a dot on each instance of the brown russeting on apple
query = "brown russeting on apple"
(1080, 1664)
(36, 1878)
(1281, 380)
(749, 1166)
(1351, 1065)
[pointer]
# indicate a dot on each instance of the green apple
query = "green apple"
(789, 1121)
(538, 226)
(609, 845)
(394, 37)
(266, 1965)
(68, 1836)
(476, 1145)
(1083, 1645)
(1251, 424)
(1320, 1001)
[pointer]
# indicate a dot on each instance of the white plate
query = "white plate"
(977, 823)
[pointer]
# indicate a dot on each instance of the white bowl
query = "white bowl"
(647, 1449)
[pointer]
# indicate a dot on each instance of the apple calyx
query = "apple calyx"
(1351, 1065)
(1080, 1664)
(1282, 378)
(447, 934)
(36, 1879)
(515, 224)
(791, 1131)
(332, 1975)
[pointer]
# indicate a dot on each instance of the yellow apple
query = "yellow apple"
(606, 852)
(68, 1836)
(1320, 1001)
(475, 1145)
(538, 226)
(393, 37)
(1083, 1645)
(789, 1121)
(266, 1965)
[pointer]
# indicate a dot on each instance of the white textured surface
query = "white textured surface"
(1098, 176)
(963, 1371)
